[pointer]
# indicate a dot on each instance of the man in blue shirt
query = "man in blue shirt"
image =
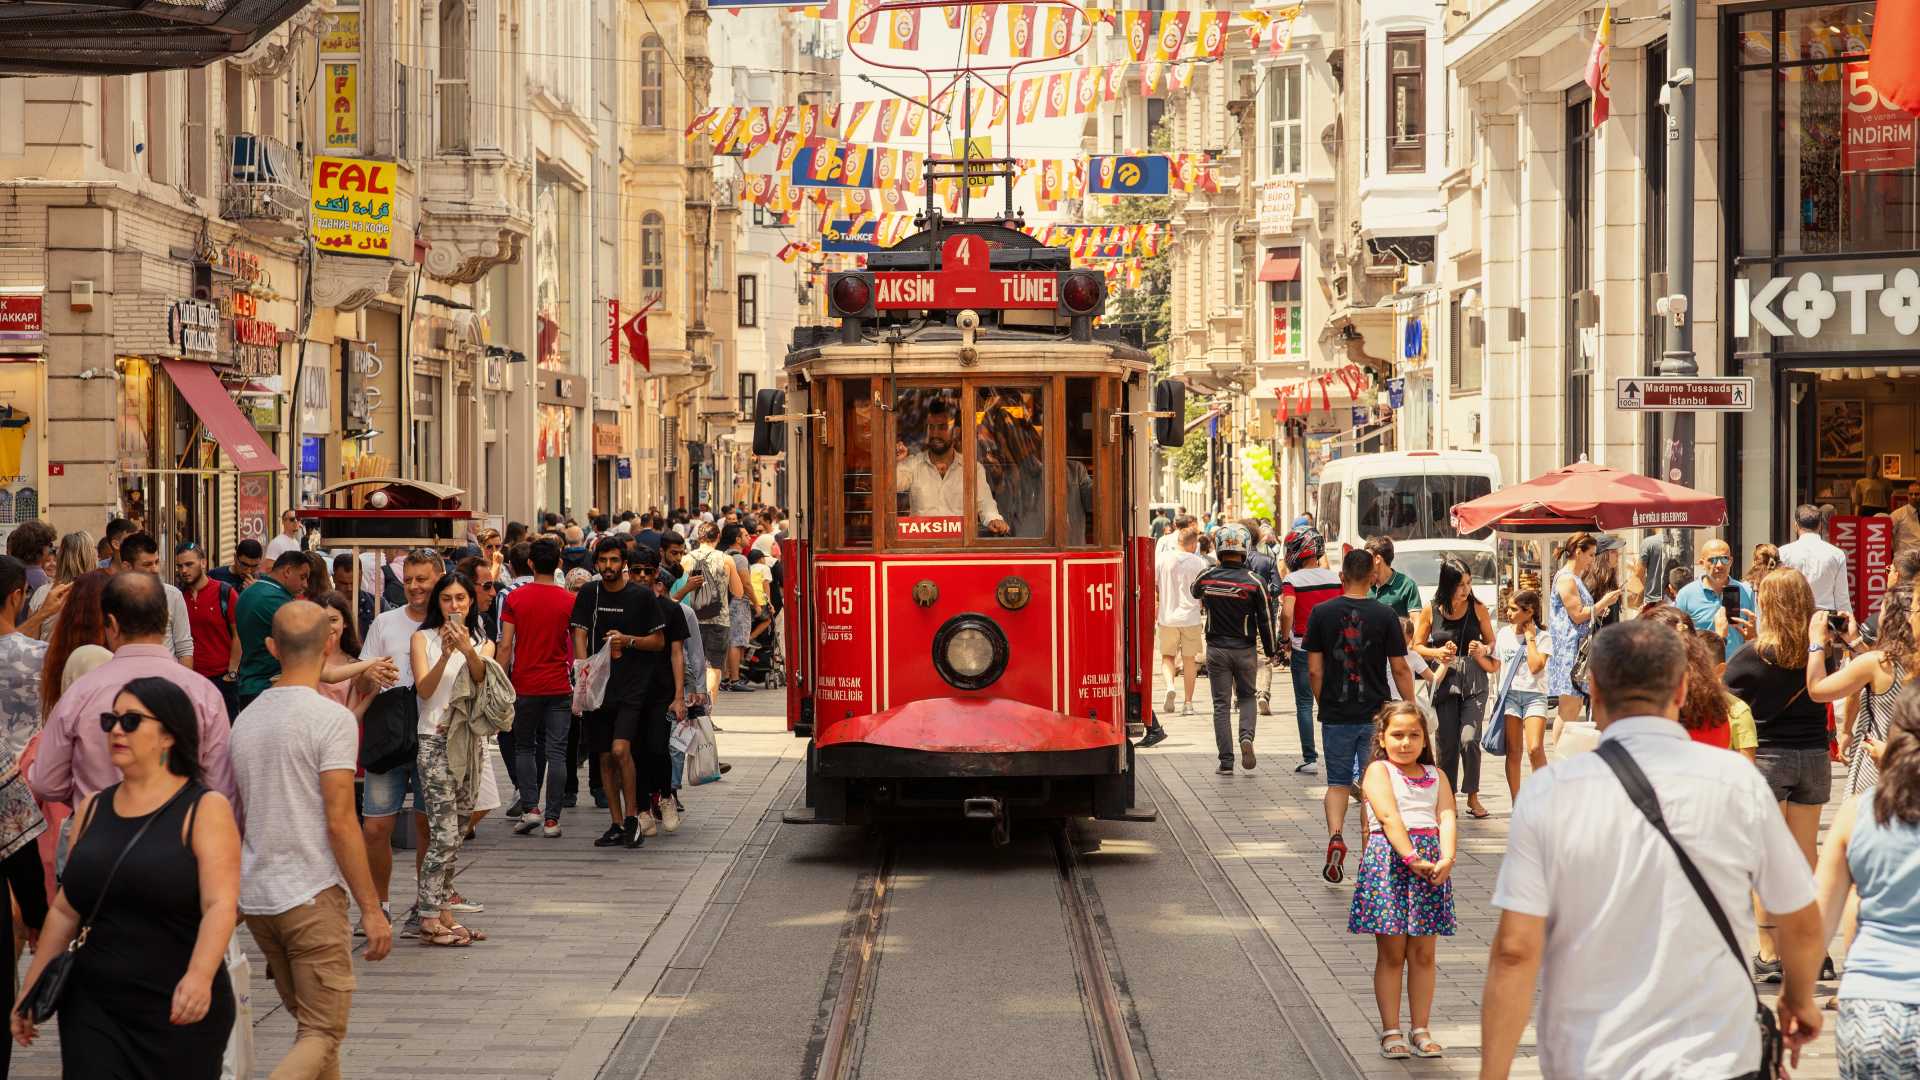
(1700, 599)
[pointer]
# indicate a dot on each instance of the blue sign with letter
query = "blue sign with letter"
(623, 468)
(841, 235)
(311, 448)
(1142, 174)
(1397, 393)
(823, 163)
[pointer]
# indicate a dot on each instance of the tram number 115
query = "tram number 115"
(840, 600)
(1100, 596)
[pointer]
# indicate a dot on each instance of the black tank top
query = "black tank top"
(1467, 673)
(144, 935)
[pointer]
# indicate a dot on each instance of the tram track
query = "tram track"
(1117, 1041)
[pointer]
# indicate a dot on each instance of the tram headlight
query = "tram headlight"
(852, 295)
(1081, 292)
(970, 652)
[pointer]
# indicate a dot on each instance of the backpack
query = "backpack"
(709, 601)
(227, 594)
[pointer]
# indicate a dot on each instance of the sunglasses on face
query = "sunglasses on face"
(1719, 560)
(128, 721)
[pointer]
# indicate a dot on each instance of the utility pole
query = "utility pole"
(1678, 360)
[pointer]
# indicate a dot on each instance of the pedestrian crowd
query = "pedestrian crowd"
(1721, 711)
(235, 745)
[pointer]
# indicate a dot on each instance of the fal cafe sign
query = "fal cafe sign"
(1803, 304)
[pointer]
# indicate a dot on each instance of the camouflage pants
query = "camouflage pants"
(445, 825)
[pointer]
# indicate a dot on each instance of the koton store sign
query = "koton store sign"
(1803, 304)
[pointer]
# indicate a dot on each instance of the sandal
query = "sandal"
(443, 937)
(470, 933)
(1393, 1045)
(1336, 858)
(1424, 1044)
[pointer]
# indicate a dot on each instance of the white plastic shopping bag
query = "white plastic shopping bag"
(590, 682)
(237, 1062)
(703, 755)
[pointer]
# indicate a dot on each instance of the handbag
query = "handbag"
(43, 998)
(390, 735)
(1640, 793)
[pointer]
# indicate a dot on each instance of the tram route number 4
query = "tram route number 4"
(1637, 394)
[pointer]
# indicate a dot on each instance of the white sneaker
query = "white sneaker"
(648, 826)
(1167, 706)
(526, 824)
(669, 817)
(550, 829)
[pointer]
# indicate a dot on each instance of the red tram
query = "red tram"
(969, 615)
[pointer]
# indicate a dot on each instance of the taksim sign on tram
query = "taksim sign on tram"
(966, 279)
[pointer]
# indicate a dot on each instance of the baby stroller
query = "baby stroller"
(763, 665)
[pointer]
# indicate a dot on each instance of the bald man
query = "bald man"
(294, 752)
(1702, 599)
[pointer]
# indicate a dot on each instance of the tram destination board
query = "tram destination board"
(1683, 395)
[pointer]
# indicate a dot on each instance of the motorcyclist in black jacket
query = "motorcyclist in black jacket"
(1238, 615)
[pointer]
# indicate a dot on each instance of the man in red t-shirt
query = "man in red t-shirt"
(536, 648)
(210, 608)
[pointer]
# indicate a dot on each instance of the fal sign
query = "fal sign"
(1802, 304)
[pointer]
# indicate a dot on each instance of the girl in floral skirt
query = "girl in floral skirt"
(1403, 896)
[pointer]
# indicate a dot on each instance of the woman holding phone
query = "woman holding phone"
(1770, 675)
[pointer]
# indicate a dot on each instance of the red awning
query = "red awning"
(211, 402)
(1281, 268)
(1586, 496)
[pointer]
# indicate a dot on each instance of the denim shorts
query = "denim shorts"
(1529, 703)
(386, 792)
(1804, 777)
(1347, 749)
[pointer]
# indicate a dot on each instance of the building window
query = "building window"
(653, 63)
(759, 214)
(1407, 101)
(1156, 111)
(749, 386)
(653, 252)
(1464, 353)
(749, 289)
(1237, 279)
(1281, 272)
(1581, 342)
(1286, 121)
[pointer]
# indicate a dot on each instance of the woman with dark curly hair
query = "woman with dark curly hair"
(1874, 850)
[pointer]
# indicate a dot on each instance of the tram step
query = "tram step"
(804, 815)
(1137, 813)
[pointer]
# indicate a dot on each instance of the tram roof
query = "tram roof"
(935, 350)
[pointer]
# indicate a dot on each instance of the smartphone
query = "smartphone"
(1837, 622)
(1730, 600)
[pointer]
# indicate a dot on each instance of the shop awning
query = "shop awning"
(1281, 268)
(215, 408)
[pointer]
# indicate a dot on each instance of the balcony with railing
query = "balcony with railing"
(265, 189)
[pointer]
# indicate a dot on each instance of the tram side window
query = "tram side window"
(930, 468)
(856, 463)
(1081, 463)
(1010, 429)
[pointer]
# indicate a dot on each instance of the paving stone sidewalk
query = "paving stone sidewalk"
(1267, 829)
(573, 931)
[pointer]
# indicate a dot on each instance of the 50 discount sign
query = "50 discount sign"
(1879, 134)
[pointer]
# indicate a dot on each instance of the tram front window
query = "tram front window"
(1009, 432)
(931, 470)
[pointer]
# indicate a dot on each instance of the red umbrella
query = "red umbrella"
(1584, 495)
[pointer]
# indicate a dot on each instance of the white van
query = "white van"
(1407, 495)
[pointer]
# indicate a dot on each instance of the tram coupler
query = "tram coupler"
(988, 808)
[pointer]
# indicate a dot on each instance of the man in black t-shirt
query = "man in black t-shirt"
(1353, 644)
(624, 617)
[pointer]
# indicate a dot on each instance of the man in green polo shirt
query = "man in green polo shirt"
(1390, 586)
(253, 621)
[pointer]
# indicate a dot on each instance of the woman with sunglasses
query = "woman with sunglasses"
(149, 995)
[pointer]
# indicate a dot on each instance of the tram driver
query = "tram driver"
(932, 480)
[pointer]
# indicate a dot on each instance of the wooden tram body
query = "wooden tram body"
(942, 665)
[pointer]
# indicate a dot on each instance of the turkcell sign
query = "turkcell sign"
(1137, 174)
(841, 235)
(909, 291)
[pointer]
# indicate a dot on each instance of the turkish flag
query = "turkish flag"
(1893, 62)
(635, 330)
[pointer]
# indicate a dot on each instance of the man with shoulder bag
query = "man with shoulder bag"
(1641, 970)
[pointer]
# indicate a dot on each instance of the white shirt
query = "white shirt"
(179, 629)
(1511, 649)
(1173, 578)
(1825, 568)
(1636, 983)
(932, 493)
(1416, 664)
(280, 545)
(392, 635)
(280, 746)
